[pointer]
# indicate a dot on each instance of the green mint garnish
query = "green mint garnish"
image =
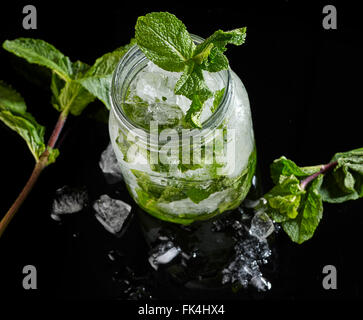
(13, 113)
(296, 201)
(73, 84)
(165, 41)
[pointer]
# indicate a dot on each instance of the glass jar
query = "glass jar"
(174, 173)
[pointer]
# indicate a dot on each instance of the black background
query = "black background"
(304, 85)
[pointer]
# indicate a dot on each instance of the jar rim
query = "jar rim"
(211, 122)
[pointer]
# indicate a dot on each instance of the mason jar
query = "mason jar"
(174, 171)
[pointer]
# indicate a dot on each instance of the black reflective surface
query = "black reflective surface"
(305, 93)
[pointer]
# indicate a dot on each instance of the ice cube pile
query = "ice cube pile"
(251, 251)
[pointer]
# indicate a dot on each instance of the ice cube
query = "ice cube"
(109, 165)
(260, 283)
(154, 83)
(261, 225)
(164, 113)
(163, 254)
(68, 200)
(111, 213)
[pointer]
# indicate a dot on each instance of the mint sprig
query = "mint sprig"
(73, 85)
(165, 41)
(296, 200)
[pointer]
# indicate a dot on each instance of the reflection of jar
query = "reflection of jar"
(219, 175)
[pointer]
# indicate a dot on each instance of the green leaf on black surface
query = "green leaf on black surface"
(285, 198)
(71, 95)
(298, 210)
(10, 99)
(345, 181)
(41, 52)
(13, 114)
(97, 80)
(286, 167)
(302, 228)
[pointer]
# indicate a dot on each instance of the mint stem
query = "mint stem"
(324, 168)
(58, 128)
(38, 168)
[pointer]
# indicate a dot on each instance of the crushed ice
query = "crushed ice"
(68, 200)
(251, 251)
(111, 213)
(164, 253)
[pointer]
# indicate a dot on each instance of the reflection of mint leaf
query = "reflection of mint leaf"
(345, 181)
(42, 53)
(165, 41)
(97, 80)
(13, 114)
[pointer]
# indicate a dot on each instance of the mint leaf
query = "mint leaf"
(299, 211)
(10, 99)
(345, 181)
(296, 200)
(40, 52)
(191, 85)
(53, 154)
(67, 93)
(70, 94)
(164, 40)
(286, 167)
(31, 132)
(218, 96)
(200, 57)
(13, 114)
(97, 80)
(285, 198)
(302, 228)
(217, 42)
